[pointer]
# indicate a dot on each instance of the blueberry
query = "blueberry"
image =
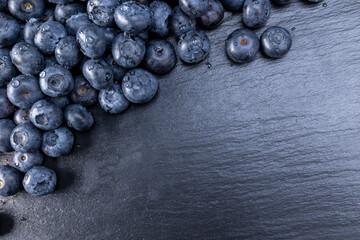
(118, 71)
(10, 181)
(9, 30)
(256, 13)
(194, 46)
(26, 9)
(46, 115)
(50, 61)
(25, 161)
(112, 99)
(6, 107)
(282, 2)
(180, 23)
(7, 70)
(194, 8)
(56, 81)
(22, 116)
(67, 52)
(276, 42)
(160, 20)
(61, 101)
(101, 12)
(92, 41)
(132, 17)
(48, 15)
(110, 34)
(98, 73)
(27, 58)
(75, 22)
(6, 127)
(160, 56)
(49, 34)
(242, 45)
(233, 5)
(128, 51)
(139, 86)
(78, 118)
(24, 90)
(65, 11)
(25, 138)
(30, 29)
(83, 93)
(58, 142)
(39, 181)
(213, 15)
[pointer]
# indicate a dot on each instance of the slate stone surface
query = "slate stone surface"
(265, 150)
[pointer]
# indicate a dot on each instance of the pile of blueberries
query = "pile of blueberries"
(58, 57)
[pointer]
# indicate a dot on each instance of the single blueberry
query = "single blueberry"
(78, 118)
(193, 46)
(161, 12)
(75, 22)
(242, 45)
(213, 15)
(91, 40)
(233, 5)
(9, 30)
(7, 70)
(58, 142)
(63, 12)
(26, 138)
(10, 181)
(83, 93)
(67, 52)
(22, 116)
(27, 58)
(39, 181)
(25, 161)
(139, 86)
(112, 99)
(256, 12)
(6, 127)
(276, 42)
(49, 34)
(6, 107)
(46, 115)
(181, 23)
(118, 71)
(128, 51)
(61, 101)
(31, 28)
(101, 12)
(26, 9)
(194, 8)
(160, 56)
(56, 81)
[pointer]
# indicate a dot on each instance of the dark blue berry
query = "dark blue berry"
(181, 23)
(3, 5)
(118, 71)
(75, 22)
(128, 51)
(112, 99)
(7, 70)
(194, 8)
(161, 12)
(242, 45)
(276, 42)
(31, 28)
(50, 61)
(83, 93)
(133, 17)
(24, 90)
(194, 46)
(6, 107)
(46, 115)
(92, 41)
(39, 181)
(25, 161)
(22, 116)
(61, 101)
(282, 2)
(9, 30)
(139, 86)
(58, 142)
(101, 12)
(67, 52)
(98, 73)
(233, 5)
(27, 59)
(213, 15)
(63, 12)
(26, 138)
(49, 34)
(10, 181)
(26, 9)
(6, 127)
(78, 118)
(56, 81)
(110, 34)
(256, 12)
(160, 56)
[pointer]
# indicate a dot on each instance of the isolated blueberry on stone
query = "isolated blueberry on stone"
(39, 181)
(276, 42)
(242, 45)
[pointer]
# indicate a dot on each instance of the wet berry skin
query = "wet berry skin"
(118, 71)
(63, 12)
(256, 13)
(67, 52)
(83, 93)
(26, 9)
(31, 28)
(276, 42)
(112, 99)
(26, 138)
(10, 181)
(75, 22)
(242, 45)
(7, 70)
(194, 8)
(9, 30)
(160, 19)
(233, 5)
(56, 81)
(91, 40)
(132, 17)
(25, 161)
(181, 23)
(46, 115)
(128, 51)
(193, 46)
(212, 16)
(57, 142)
(160, 56)
(39, 181)
(48, 36)
(139, 86)
(101, 12)
(78, 118)
(6, 107)
(27, 58)
(98, 73)
(22, 116)
(24, 90)
(6, 127)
